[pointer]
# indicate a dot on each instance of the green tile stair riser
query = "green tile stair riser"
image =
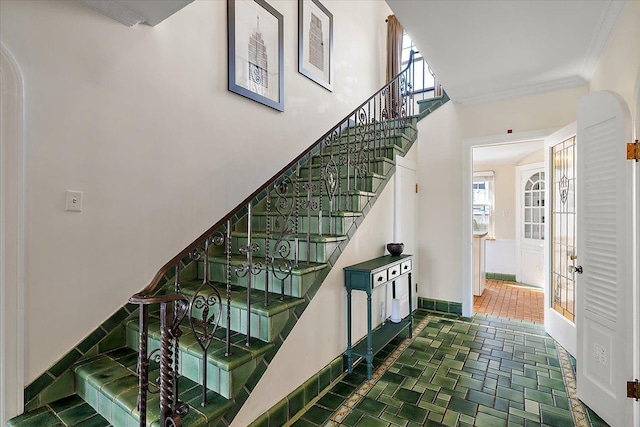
(296, 285)
(339, 223)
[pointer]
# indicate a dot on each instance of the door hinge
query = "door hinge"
(416, 188)
(633, 151)
(633, 390)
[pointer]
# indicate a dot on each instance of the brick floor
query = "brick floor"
(512, 300)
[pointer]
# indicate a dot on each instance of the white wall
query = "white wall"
(140, 119)
(500, 256)
(439, 204)
(620, 61)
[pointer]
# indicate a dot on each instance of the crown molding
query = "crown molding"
(525, 90)
(606, 23)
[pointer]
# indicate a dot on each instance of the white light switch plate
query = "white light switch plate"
(74, 201)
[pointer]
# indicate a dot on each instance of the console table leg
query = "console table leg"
(349, 350)
(369, 338)
(410, 309)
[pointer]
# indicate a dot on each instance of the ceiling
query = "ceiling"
(485, 50)
(132, 12)
(504, 154)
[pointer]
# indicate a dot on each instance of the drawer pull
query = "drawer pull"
(394, 272)
(380, 279)
(406, 266)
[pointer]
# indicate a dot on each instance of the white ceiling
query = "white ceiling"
(132, 12)
(504, 154)
(483, 50)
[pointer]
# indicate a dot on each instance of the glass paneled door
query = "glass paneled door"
(563, 229)
(560, 246)
(530, 262)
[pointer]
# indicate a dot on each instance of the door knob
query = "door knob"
(573, 257)
(574, 269)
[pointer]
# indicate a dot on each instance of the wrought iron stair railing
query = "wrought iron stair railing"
(318, 184)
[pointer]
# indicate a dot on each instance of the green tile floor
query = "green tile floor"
(457, 371)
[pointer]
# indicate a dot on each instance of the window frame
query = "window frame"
(487, 177)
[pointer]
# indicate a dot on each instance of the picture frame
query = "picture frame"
(256, 51)
(315, 42)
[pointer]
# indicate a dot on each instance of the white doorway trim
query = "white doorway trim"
(12, 271)
(636, 247)
(467, 181)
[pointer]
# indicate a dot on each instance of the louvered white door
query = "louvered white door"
(605, 287)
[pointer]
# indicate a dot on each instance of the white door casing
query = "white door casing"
(559, 327)
(405, 226)
(11, 238)
(605, 288)
(636, 246)
(529, 252)
(467, 181)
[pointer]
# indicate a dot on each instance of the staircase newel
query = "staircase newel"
(166, 362)
(227, 351)
(143, 364)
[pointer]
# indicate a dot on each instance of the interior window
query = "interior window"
(483, 202)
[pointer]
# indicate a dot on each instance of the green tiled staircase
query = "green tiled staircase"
(101, 386)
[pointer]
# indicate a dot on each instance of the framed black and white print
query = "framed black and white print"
(255, 31)
(315, 42)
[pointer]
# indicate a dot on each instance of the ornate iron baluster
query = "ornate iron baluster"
(143, 364)
(170, 320)
(296, 197)
(248, 269)
(267, 244)
(227, 350)
(309, 204)
(287, 213)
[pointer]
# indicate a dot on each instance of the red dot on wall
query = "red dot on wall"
(509, 130)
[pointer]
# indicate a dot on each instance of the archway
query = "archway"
(11, 237)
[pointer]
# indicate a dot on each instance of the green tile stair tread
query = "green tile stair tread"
(96, 421)
(74, 415)
(338, 213)
(240, 354)
(239, 298)
(343, 193)
(123, 391)
(31, 418)
(302, 268)
(315, 178)
(377, 159)
(94, 365)
(315, 238)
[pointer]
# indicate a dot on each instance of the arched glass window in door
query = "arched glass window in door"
(534, 207)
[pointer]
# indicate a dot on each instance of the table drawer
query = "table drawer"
(379, 278)
(393, 272)
(405, 266)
